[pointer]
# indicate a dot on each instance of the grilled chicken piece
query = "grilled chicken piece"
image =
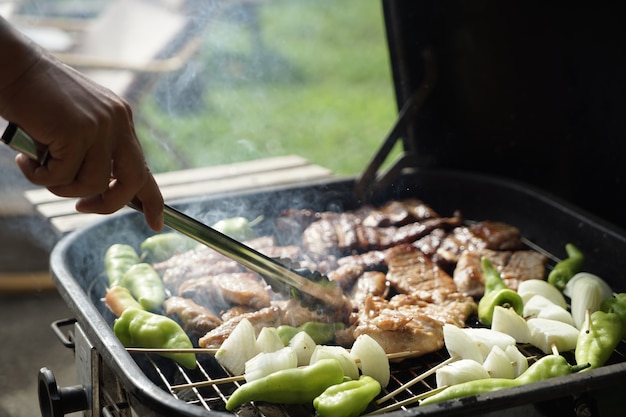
(344, 233)
(514, 267)
(369, 284)
(176, 276)
(482, 235)
(405, 330)
(219, 291)
(455, 309)
(295, 314)
(266, 317)
(195, 319)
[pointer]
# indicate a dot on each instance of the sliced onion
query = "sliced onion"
(607, 291)
(371, 358)
(266, 363)
(486, 339)
(506, 320)
(527, 289)
(339, 353)
(238, 347)
(303, 345)
(586, 292)
(548, 334)
(518, 360)
(458, 372)
(540, 307)
(268, 340)
(460, 344)
(498, 365)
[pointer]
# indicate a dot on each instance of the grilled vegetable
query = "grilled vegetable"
(496, 294)
(140, 328)
(518, 360)
(540, 307)
(268, 340)
(118, 258)
(320, 332)
(564, 270)
(289, 386)
(616, 304)
(587, 291)
(598, 338)
(304, 346)
(507, 321)
(549, 366)
(163, 246)
(460, 344)
(498, 365)
(238, 228)
(348, 399)
(461, 371)
(527, 289)
(548, 334)
(371, 358)
(119, 299)
(239, 347)
(266, 363)
(339, 353)
(145, 284)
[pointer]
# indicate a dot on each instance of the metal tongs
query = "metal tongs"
(310, 290)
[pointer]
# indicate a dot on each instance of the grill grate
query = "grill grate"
(209, 385)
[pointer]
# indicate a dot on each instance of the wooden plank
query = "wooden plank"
(12, 283)
(250, 175)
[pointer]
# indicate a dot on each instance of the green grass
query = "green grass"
(320, 87)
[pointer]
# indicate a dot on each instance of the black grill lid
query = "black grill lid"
(527, 90)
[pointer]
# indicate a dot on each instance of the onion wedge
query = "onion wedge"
(239, 347)
(460, 371)
(371, 358)
(506, 320)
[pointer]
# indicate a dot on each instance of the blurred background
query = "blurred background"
(211, 83)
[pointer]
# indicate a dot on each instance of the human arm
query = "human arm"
(94, 153)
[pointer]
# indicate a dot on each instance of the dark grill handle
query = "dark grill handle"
(57, 402)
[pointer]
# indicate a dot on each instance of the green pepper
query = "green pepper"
(321, 333)
(348, 399)
(238, 227)
(496, 294)
(549, 366)
(145, 285)
(564, 270)
(163, 246)
(117, 260)
(143, 329)
(119, 299)
(598, 338)
(617, 305)
(289, 386)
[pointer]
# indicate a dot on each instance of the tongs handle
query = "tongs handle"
(271, 270)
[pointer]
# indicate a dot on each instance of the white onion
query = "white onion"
(460, 344)
(457, 372)
(540, 307)
(548, 333)
(268, 340)
(238, 347)
(266, 363)
(498, 365)
(586, 292)
(506, 320)
(518, 360)
(526, 289)
(341, 355)
(371, 358)
(486, 339)
(303, 345)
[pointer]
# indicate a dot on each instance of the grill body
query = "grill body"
(77, 267)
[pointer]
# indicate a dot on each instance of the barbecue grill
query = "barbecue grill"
(483, 122)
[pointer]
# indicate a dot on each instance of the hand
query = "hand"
(94, 153)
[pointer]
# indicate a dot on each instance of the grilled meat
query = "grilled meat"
(221, 291)
(265, 317)
(369, 284)
(195, 319)
(405, 330)
(343, 233)
(346, 275)
(482, 235)
(514, 267)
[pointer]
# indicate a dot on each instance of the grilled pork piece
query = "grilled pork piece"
(482, 235)
(219, 291)
(369, 284)
(514, 267)
(195, 319)
(343, 233)
(346, 275)
(176, 276)
(405, 330)
(454, 309)
(266, 317)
